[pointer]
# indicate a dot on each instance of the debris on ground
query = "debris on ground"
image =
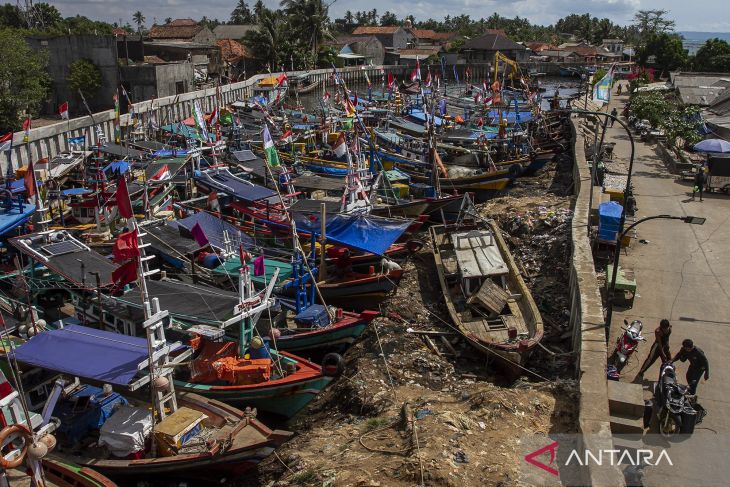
(416, 405)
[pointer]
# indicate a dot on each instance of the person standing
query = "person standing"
(618, 90)
(700, 181)
(698, 364)
(614, 113)
(659, 349)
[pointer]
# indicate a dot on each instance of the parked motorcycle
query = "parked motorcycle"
(676, 411)
(626, 344)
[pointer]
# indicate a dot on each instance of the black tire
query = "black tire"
(414, 245)
(333, 365)
(515, 170)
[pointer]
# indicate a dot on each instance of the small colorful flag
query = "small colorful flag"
(123, 275)
(29, 181)
(259, 267)
(340, 147)
(77, 140)
(63, 110)
(6, 142)
(126, 246)
(272, 156)
(391, 80)
(122, 196)
(162, 174)
(287, 137)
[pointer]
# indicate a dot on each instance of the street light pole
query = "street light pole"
(617, 254)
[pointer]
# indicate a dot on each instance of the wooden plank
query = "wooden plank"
(491, 296)
(515, 322)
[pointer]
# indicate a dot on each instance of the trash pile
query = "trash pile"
(416, 404)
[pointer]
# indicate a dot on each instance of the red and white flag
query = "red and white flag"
(63, 110)
(6, 142)
(162, 174)
(326, 97)
(340, 147)
(416, 73)
(281, 79)
(27, 124)
(287, 137)
(429, 81)
(488, 101)
(214, 117)
(391, 80)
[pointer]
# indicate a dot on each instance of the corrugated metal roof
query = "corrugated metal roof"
(233, 31)
(493, 42)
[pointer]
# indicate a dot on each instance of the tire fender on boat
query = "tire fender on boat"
(414, 245)
(333, 365)
(27, 439)
(515, 170)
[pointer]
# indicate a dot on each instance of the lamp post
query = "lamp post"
(693, 220)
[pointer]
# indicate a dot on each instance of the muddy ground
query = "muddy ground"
(411, 410)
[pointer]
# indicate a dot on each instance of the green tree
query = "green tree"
(10, 17)
(714, 55)
(667, 49)
(44, 15)
(84, 75)
(23, 79)
(269, 41)
(138, 19)
(389, 19)
(168, 20)
(310, 21)
(680, 126)
(650, 23)
(651, 106)
(242, 14)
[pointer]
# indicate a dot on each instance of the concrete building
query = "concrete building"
(64, 51)
(147, 81)
(395, 37)
(234, 57)
(615, 46)
(353, 50)
(483, 48)
(206, 58)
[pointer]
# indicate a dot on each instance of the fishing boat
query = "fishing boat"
(14, 212)
(194, 436)
(485, 294)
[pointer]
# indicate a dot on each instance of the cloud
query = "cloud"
(688, 16)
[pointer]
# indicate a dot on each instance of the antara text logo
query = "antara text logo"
(585, 457)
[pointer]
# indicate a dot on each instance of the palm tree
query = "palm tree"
(138, 19)
(310, 19)
(269, 40)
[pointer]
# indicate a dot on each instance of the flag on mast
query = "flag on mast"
(272, 156)
(63, 110)
(602, 89)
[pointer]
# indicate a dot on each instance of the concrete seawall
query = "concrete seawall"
(52, 139)
(587, 323)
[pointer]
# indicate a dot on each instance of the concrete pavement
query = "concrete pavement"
(683, 274)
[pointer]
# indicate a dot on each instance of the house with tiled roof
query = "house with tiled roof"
(234, 56)
(183, 30)
(431, 37)
(483, 48)
(395, 37)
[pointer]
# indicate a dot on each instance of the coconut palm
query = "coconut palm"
(269, 41)
(138, 19)
(310, 19)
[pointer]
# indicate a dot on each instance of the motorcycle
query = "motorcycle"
(676, 411)
(626, 344)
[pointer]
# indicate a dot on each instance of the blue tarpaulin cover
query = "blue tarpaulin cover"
(75, 424)
(213, 228)
(170, 153)
(87, 353)
(225, 182)
(76, 191)
(363, 232)
(117, 166)
(14, 213)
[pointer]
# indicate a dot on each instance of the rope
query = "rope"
(385, 361)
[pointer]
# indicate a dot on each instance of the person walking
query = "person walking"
(614, 113)
(659, 349)
(618, 90)
(700, 181)
(698, 364)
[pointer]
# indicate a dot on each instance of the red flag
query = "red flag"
(126, 246)
(391, 80)
(122, 196)
(199, 235)
(282, 77)
(63, 110)
(29, 181)
(429, 80)
(26, 124)
(259, 269)
(123, 275)
(6, 142)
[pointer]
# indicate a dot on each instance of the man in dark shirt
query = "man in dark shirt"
(698, 364)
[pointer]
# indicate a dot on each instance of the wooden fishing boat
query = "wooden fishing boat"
(485, 294)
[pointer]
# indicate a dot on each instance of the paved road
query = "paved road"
(683, 274)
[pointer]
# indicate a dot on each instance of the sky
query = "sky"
(712, 16)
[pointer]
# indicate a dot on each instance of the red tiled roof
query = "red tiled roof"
(179, 22)
(369, 30)
(174, 31)
(539, 46)
(154, 60)
(233, 51)
(584, 51)
(120, 32)
(432, 34)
